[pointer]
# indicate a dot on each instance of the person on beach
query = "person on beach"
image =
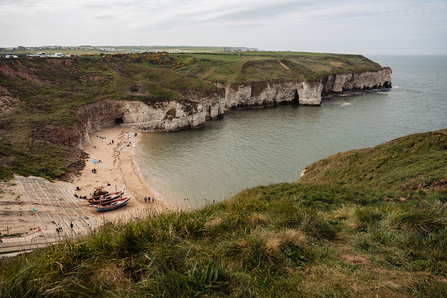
(145, 199)
(71, 226)
(153, 199)
(60, 227)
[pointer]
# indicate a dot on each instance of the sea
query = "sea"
(252, 147)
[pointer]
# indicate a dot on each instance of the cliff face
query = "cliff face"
(340, 83)
(212, 106)
(160, 116)
(305, 93)
(173, 115)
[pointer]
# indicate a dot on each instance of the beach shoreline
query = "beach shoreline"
(115, 170)
(113, 149)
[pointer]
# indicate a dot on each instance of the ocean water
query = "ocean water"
(252, 147)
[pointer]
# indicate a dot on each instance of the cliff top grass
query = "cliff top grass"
(37, 94)
(417, 161)
(248, 67)
(282, 240)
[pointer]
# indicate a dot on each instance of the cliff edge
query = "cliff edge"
(49, 106)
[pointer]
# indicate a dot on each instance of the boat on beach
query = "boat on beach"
(107, 202)
(106, 198)
(118, 203)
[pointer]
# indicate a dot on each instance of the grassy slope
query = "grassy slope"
(46, 90)
(249, 67)
(282, 240)
(411, 162)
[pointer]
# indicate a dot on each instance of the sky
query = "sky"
(364, 27)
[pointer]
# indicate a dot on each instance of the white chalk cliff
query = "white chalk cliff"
(305, 93)
(174, 115)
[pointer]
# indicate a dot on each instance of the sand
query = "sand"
(116, 168)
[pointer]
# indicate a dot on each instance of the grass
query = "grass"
(119, 49)
(319, 239)
(45, 91)
(283, 240)
(408, 163)
(39, 94)
(363, 223)
(251, 67)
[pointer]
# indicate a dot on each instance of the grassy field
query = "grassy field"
(253, 67)
(161, 48)
(119, 49)
(51, 52)
(282, 240)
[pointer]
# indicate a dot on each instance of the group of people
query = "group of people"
(59, 227)
(149, 199)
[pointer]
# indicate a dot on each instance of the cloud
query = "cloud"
(297, 25)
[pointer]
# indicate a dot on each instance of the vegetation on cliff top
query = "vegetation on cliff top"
(417, 161)
(251, 67)
(282, 240)
(37, 94)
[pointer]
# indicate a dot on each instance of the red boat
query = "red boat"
(106, 198)
(118, 203)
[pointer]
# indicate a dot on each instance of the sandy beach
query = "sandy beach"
(112, 148)
(115, 170)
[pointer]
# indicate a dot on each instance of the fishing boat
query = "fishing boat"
(107, 202)
(114, 205)
(106, 198)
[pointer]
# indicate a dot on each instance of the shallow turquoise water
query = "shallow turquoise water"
(254, 147)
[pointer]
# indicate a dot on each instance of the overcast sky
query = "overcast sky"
(336, 26)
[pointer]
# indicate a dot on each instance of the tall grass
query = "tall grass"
(417, 161)
(266, 241)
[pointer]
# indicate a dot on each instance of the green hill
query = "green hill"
(335, 238)
(417, 161)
